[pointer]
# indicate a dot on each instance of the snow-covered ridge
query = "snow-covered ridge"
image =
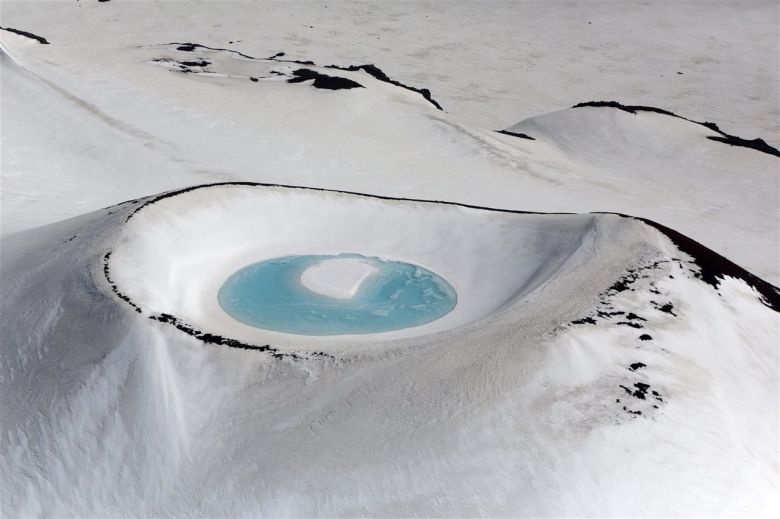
(39, 39)
(232, 63)
(606, 356)
(757, 144)
(174, 125)
(600, 365)
(173, 255)
(177, 249)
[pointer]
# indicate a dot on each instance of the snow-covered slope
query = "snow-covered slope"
(173, 129)
(492, 66)
(620, 362)
(173, 256)
(672, 171)
(614, 349)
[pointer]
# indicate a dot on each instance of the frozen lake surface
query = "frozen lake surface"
(335, 295)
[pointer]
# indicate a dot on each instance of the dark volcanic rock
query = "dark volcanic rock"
(39, 39)
(733, 140)
(323, 80)
(515, 134)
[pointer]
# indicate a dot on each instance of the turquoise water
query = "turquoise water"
(399, 295)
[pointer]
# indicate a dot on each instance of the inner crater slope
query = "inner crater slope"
(176, 252)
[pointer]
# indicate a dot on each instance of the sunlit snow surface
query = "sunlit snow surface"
(269, 294)
(590, 368)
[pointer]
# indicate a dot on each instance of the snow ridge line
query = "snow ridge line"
(368, 68)
(516, 134)
(714, 266)
(114, 288)
(757, 144)
(39, 39)
(377, 73)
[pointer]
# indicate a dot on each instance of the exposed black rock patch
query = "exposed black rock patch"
(114, 288)
(585, 320)
(756, 144)
(206, 337)
(713, 267)
(628, 323)
(632, 109)
(516, 134)
(606, 315)
(186, 67)
(639, 392)
(624, 283)
(621, 285)
(645, 337)
(733, 140)
(210, 338)
(370, 69)
(39, 39)
(323, 80)
(379, 74)
(637, 365)
(666, 308)
(201, 63)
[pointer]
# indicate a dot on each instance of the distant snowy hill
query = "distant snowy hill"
(614, 347)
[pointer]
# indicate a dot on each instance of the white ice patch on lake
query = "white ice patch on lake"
(340, 278)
